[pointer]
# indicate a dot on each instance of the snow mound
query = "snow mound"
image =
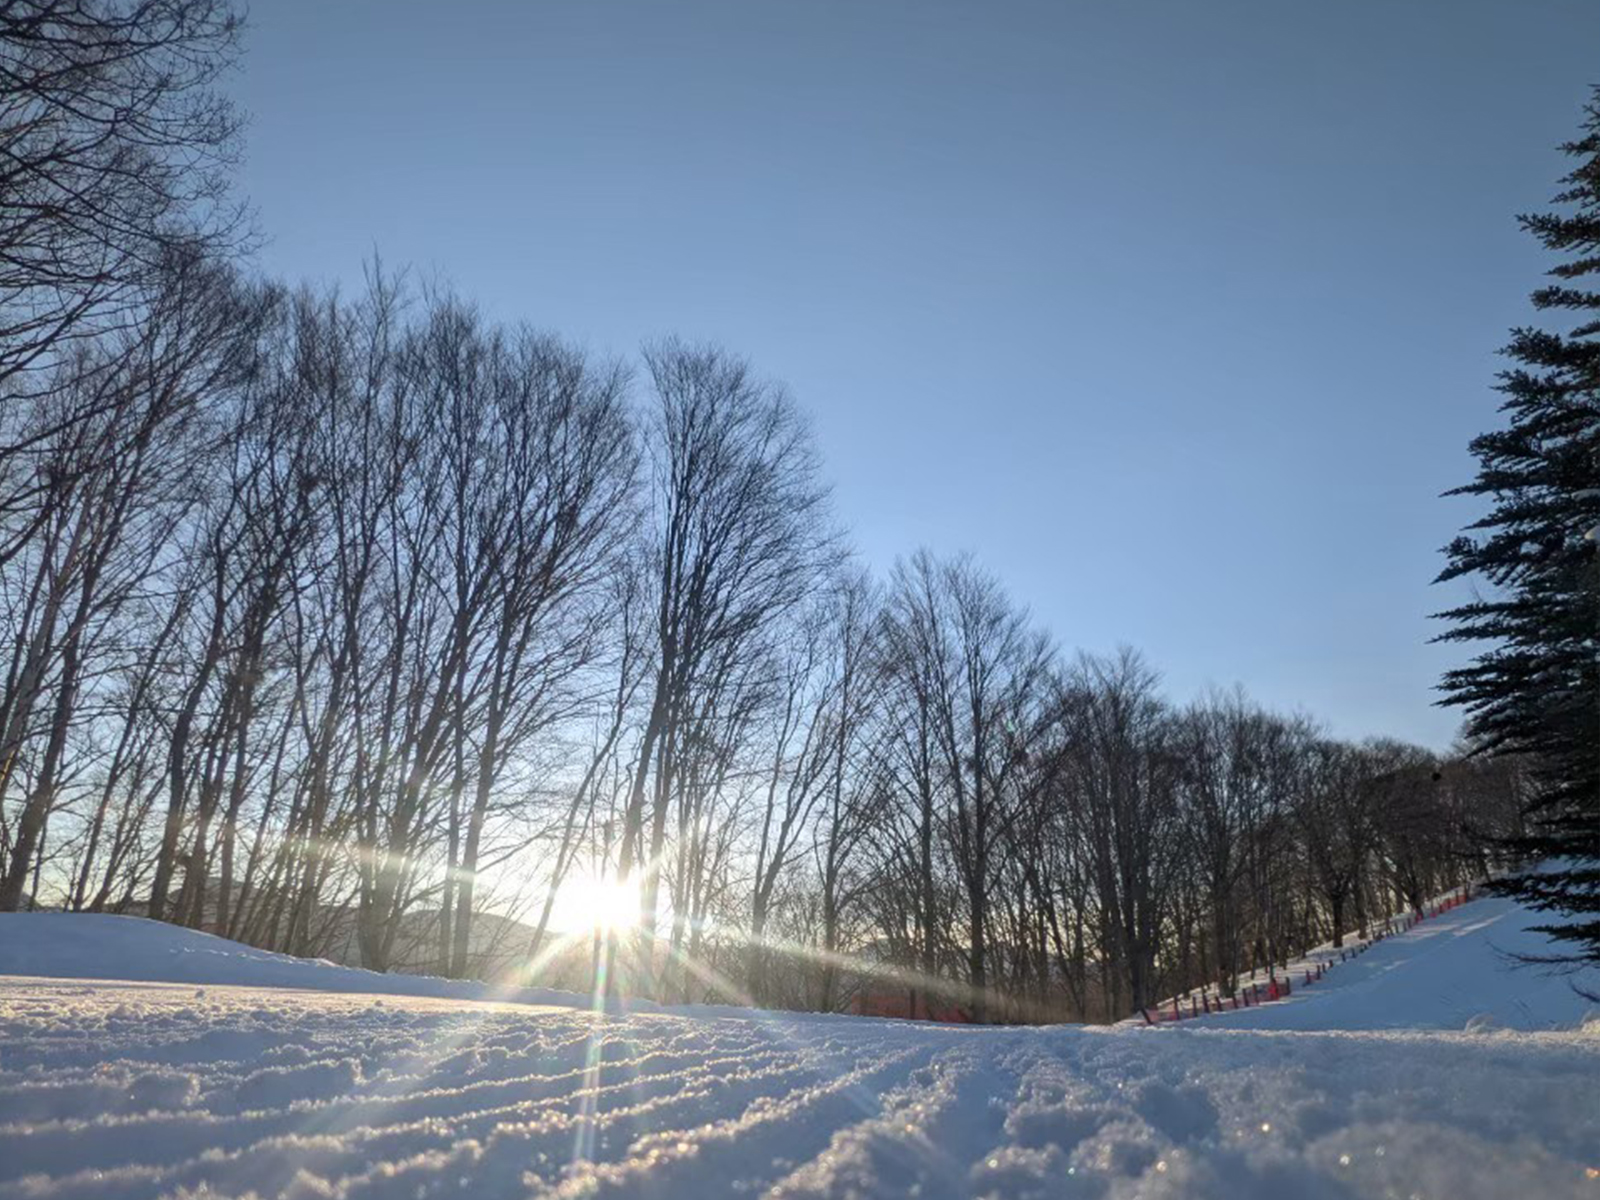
(101, 946)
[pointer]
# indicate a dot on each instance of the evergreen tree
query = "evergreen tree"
(1535, 689)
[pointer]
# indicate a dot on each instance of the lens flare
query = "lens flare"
(596, 902)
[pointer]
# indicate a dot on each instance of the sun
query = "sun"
(588, 901)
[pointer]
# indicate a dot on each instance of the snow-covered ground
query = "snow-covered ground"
(1451, 971)
(1454, 971)
(239, 1080)
(100, 946)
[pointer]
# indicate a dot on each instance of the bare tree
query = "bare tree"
(1334, 813)
(121, 482)
(115, 156)
(802, 754)
(1118, 776)
(738, 535)
(852, 778)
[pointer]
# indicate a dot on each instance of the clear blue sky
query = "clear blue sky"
(1179, 314)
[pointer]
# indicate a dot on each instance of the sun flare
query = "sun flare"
(589, 901)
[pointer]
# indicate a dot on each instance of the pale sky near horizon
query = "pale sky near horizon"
(1178, 315)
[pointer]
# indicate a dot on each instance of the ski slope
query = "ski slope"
(255, 1075)
(1461, 969)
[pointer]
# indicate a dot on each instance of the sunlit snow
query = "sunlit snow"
(241, 1079)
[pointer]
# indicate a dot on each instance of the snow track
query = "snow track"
(116, 1090)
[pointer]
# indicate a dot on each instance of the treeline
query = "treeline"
(336, 618)
(364, 626)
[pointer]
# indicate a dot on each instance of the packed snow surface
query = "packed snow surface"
(1463, 969)
(241, 1080)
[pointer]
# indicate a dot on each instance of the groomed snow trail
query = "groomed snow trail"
(115, 1089)
(1451, 971)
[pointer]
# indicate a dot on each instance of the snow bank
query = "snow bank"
(100, 946)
